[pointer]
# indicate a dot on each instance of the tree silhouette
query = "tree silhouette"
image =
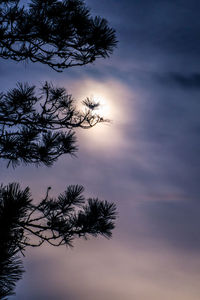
(12, 209)
(37, 127)
(54, 221)
(60, 34)
(11, 270)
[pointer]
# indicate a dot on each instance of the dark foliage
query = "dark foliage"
(14, 205)
(39, 129)
(60, 34)
(55, 221)
(11, 271)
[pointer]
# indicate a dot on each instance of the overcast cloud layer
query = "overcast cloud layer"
(147, 161)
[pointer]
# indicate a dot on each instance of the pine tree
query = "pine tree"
(61, 34)
(38, 127)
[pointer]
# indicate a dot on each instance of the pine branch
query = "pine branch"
(54, 221)
(38, 129)
(60, 34)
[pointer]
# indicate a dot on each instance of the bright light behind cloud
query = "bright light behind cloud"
(103, 110)
(114, 100)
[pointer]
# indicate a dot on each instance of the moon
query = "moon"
(103, 109)
(113, 98)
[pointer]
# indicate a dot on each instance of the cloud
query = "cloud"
(190, 82)
(175, 223)
(147, 161)
(111, 271)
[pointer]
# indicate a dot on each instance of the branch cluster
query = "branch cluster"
(60, 34)
(14, 205)
(39, 129)
(56, 221)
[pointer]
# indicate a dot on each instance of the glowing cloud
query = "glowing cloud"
(113, 98)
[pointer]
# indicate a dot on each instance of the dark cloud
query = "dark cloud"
(190, 81)
(155, 31)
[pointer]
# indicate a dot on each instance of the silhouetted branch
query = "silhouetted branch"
(56, 221)
(38, 129)
(14, 205)
(11, 271)
(60, 34)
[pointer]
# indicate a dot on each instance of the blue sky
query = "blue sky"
(146, 160)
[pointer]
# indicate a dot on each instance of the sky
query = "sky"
(146, 161)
